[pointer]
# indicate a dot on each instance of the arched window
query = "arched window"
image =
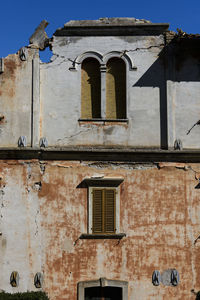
(90, 89)
(116, 89)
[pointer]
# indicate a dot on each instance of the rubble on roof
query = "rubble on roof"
(180, 35)
(111, 27)
(108, 21)
(183, 34)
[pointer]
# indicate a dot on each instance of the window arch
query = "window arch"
(104, 94)
(115, 88)
(90, 89)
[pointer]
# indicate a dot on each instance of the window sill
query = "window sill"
(104, 120)
(117, 236)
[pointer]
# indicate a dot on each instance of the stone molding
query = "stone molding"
(103, 282)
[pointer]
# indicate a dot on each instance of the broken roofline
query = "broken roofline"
(107, 27)
(111, 26)
(101, 27)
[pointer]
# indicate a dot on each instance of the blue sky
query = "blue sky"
(19, 19)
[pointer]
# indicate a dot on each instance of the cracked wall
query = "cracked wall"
(16, 98)
(44, 207)
(61, 94)
(162, 94)
(44, 211)
(20, 225)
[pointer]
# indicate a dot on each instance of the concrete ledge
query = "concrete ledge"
(104, 120)
(101, 154)
(111, 30)
(86, 236)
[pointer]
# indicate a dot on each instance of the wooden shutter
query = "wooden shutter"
(109, 210)
(103, 211)
(97, 226)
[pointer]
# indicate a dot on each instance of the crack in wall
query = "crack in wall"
(123, 52)
(36, 222)
(117, 165)
(2, 203)
(73, 135)
(143, 48)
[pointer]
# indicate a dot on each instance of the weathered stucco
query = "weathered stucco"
(44, 200)
(44, 212)
(61, 94)
(16, 96)
(162, 91)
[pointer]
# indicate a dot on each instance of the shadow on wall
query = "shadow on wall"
(178, 61)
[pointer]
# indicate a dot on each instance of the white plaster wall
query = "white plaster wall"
(15, 99)
(61, 94)
(20, 242)
(184, 105)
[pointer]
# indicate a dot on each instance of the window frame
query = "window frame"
(94, 100)
(107, 100)
(102, 282)
(103, 59)
(90, 209)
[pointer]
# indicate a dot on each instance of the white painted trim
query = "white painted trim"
(120, 54)
(102, 282)
(103, 59)
(89, 54)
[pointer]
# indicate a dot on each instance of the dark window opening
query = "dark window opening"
(103, 293)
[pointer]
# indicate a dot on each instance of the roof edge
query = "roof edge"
(113, 30)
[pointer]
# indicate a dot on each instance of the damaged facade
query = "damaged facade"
(100, 163)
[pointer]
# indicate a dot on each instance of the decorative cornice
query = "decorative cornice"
(113, 30)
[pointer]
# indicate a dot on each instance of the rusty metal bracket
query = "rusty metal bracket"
(22, 141)
(14, 279)
(43, 142)
(38, 280)
(156, 278)
(23, 53)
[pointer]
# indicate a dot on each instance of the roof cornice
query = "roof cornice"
(113, 30)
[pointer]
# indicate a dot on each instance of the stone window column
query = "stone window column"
(103, 91)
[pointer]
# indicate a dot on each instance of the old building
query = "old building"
(100, 163)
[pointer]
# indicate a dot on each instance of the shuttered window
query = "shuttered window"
(104, 211)
(90, 89)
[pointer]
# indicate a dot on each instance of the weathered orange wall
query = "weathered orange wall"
(160, 214)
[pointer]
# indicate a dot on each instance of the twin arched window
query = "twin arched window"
(93, 92)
